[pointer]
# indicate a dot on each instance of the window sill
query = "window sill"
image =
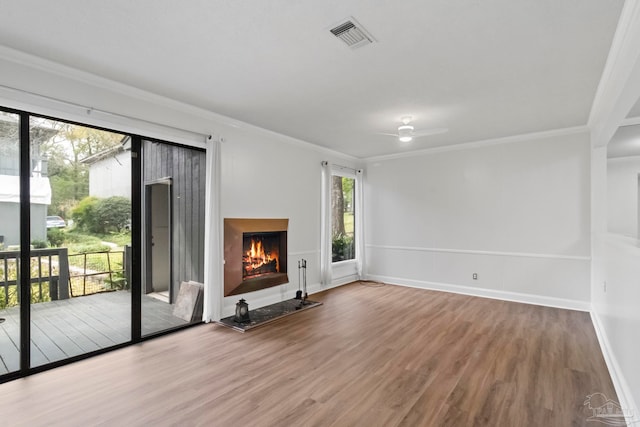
(345, 262)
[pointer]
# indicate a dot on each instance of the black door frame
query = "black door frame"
(25, 255)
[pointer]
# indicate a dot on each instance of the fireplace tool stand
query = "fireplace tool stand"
(302, 295)
(299, 292)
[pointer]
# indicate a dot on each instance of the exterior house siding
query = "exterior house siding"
(186, 168)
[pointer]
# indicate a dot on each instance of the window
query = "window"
(342, 218)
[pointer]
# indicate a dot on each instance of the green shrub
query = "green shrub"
(102, 216)
(112, 214)
(38, 244)
(83, 213)
(118, 281)
(56, 237)
(342, 248)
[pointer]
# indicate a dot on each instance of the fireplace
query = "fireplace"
(260, 253)
(255, 254)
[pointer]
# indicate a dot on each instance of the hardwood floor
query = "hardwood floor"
(371, 356)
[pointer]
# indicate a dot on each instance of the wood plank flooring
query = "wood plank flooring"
(67, 328)
(370, 356)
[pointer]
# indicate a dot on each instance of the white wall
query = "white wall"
(616, 261)
(516, 214)
(615, 293)
(622, 195)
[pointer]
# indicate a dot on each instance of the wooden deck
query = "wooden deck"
(67, 328)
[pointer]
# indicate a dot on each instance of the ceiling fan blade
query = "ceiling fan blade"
(388, 134)
(427, 132)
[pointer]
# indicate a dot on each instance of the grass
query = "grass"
(121, 239)
(79, 242)
(97, 262)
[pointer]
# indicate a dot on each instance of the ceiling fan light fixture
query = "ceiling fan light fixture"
(405, 133)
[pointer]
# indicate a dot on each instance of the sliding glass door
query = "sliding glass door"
(101, 240)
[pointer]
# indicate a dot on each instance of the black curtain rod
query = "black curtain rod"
(324, 163)
(89, 110)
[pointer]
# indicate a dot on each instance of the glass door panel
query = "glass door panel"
(173, 236)
(9, 242)
(80, 238)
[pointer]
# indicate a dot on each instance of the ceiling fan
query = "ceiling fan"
(406, 131)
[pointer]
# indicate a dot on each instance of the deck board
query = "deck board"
(67, 328)
(9, 357)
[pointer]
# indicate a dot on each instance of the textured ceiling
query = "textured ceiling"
(482, 68)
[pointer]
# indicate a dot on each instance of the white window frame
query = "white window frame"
(348, 269)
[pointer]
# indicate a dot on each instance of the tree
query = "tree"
(65, 151)
(347, 193)
(63, 146)
(337, 206)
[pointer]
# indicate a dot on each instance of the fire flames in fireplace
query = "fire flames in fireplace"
(260, 256)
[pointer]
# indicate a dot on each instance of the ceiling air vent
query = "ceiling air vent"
(352, 33)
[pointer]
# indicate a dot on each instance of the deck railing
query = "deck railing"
(48, 275)
(95, 272)
(54, 274)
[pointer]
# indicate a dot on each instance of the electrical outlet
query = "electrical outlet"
(475, 276)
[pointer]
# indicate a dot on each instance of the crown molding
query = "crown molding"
(630, 121)
(483, 143)
(301, 143)
(619, 86)
(61, 70)
(121, 89)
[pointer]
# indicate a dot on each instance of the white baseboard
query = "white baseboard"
(272, 298)
(341, 281)
(488, 293)
(625, 397)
